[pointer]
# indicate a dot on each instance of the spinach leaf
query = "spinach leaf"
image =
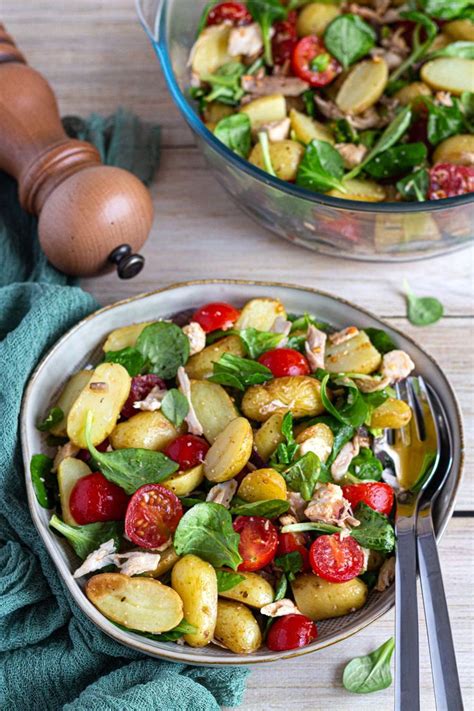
(281, 589)
(227, 580)
(42, 480)
(225, 84)
(240, 373)
(177, 632)
(375, 531)
(422, 310)
(203, 19)
(206, 531)
(189, 501)
(466, 101)
(54, 417)
(266, 12)
(165, 346)
(349, 38)
(234, 132)
(366, 466)
(443, 10)
(286, 451)
(218, 334)
(397, 160)
(268, 508)
(86, 539)
(308, 100)
(354, 410)
(266, 155)
(301, 323)
(310, 526)
(131, 359)
(175, 407)
(258, 342)
(363, 675)
(423, 26)
(369, 137)
(344, 132)
(415, 186)
(321, 169)
(380, 340)
(290, 563)
(443, 121)
(303, 475)
(455, 49)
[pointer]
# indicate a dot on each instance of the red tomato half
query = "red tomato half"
(448, 180)
(258, 541)
(94, 499)
(217, 315)
(284, 39)
(376, 494)
(290, 542)
(234, 13)
(187, 450)
(285, 361)
(336, 559)
(141, 386)
(152, 515)
(305, 55)
(291, 632)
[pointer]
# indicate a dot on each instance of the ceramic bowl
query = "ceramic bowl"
(81, 346)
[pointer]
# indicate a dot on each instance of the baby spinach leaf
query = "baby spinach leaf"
(234, 132)
(54, 417)
(415, 186)
(364, 675)
(349, 38)
(366, 466)
(397, 160)
(353, 411)
(290, 563)
(455, 49)
(227, 580)
(375, 531)
(281, 589)
(86, 539)
(422, 310)
(321, 169)
(225, 84)
(175, 407)
(165, 346)
(301, 323)
(423, 26)
(177, 632)
(285, 452)
(206, 531)
(268, 508)
(443, 10)
(380, 340)
(308, 99)
(344, 132)
(42, 480)
(266, 12)
(204, 15)
(218, 334)
(311, 526)
(240, 373)
(258, 342)
(131, 359)
(443, 121)
(303, 475)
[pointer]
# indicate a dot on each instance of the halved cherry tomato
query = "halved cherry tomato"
(291, 632)
(284, 39)
(234, 13)
(305, 60)
(187, 450)
(216, 315)
(152, 515)
(141, 386)
(336, 559)
(258, 541)
(376, 494)
(448, 180)
(95, 499)
(285, 361)
(290, 542)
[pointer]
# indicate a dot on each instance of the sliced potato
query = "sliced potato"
(145, 430)
(200, 365)
(138, 603)
(68, 397)
(70, 470)
(315, 17)
(362, 190)
(253, 590)
(285, 156)
(411, 94)
(319, 599)
(125, 337)
(457, 149)
(307, 129)
(318, 439)
(210, 50)
(104, 395)
(392, 413)
(167, 559)
(213, 407)
(214, 111)
(236, 628)
(262, 484)
(363, 86)
(230, 452)
(269, 436)
(265, 109)
(357, 355)
(260, 314)
(183, 483)
(460, 30)
(453, 74)
(195, 581)
(298, 394)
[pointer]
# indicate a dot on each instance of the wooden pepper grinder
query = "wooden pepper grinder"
(90, 215)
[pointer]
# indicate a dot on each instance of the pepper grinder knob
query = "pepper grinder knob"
(128, 264)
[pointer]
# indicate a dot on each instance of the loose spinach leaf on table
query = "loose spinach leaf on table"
(175, 407)
(321, 169)
(286, 451)
(364, 675)
(443, 121)
(165, 347)
(131, 359)
(397, 160)
(302, 476)
(54, 417)
(422, 310)
(234, 132)
(258, 342)
(366, 466)
(206, 531)
(443, 10)
(290, 563)
(240, 373)
(462, 49)
(225, 84)
(381, 340)
(227, 580)
(375, 531)
(86, 539)
(266, 12)
(268, 508)
(43, 480)
(415, 186)
(424, 26)
(349, 38)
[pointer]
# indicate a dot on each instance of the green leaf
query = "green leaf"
(86, 539)
(353, 411)
(206, 531)
(366, 466)
(415, 186)
(177, 632)
(375, 531)
(204, 15)
(311, 526)
(240, 373)
(301, 323)
(268, 508)
(455, 49)
(349, 38)
(266, 155)
(397, 160)
(380, 340)
(466, 101)
(218, 334)
(423, 26)
(286, 451)
(422, 310)
(54, 417)
(175, 407)
(225, 84)
(290, 563)
(303, 475)
(165, 346)
(364, 675)
(344, 132)
(281, 588)
(266, 12)
(258, 342)
(131, 359)
(42, 479)
(227, 580)
(443, 10)
(321, 169)
(443, 121)
(234, 132)
(308, 99)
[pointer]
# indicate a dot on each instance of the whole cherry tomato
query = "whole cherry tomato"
(258, 541)
(291, 632)
(312, 63)
(141, 386)
(285, 361)
(448, 180)
(153, 514)
(376, 494)
(336, 559)
(284, 39)
(217, 315)
(188, 450)
(290, 542)
(233, 13)
(94, 498)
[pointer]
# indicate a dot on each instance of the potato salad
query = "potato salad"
(218, 475)
(370, 101)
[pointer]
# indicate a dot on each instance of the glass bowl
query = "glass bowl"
(333, 226)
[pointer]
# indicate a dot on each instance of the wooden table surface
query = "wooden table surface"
(96, 56)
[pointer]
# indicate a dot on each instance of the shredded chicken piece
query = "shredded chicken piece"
(153, 400)
(351, 154)
(372, 383)
(328, 108)
(287, 519)
(343, 460)
(365, 553)
(392, 59)
(380, 14)
(342, 336)
(277, 130)
(246, 40)
(194, 426)
(443, 98)
(386, 575)
(297, 505)
(222, 493)
(288, 86)
(104, 555)
(368, 119)
(397, 42)
(137, 562)
(196, 337)
(328, 505)
(362, 439)
(280, 608)
(397, 365)
(315, 347)
(67, 450)
(131, 563)
(281, 325)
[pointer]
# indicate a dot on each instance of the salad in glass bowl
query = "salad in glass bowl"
(219, 477)
(369, 101)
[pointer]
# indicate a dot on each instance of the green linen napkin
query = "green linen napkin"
(51, 656)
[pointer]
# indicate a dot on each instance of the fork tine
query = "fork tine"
(424, 404)
(403, 393)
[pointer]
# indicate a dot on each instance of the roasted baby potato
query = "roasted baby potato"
(200, 365)
(392, 413)
(318, 439)
(253, 590)
(262, 484)
(411, 94)
(104, 395)
(265, 109)
(453, 74)
(70, 470)
(260, 314)
(195, 581)
(298, 394)
(319, 599)
(214, 111)
(167, 559)
(285, 156)
(73, 388)
(139, 603)
(236, 628)
(146, 430)
(210, 50)
(307, 129)
(315, 17)
(230, 452)
(457, 149)
(360, 189)
(269, 436)
(183, 483)
(125, 337)
(357, 355)
(460, 30)
(363, 87)
(213, 407)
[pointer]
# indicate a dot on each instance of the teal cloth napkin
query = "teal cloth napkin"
(51, 656)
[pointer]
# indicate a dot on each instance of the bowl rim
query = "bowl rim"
(157, 36)
(134, 640)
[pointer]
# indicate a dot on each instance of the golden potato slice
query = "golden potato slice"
(460, 30)
(392, 413)
(298, 394)
(457, 149)
(363, 87)
(214, 112)
(104, 395)
(318, 439)
(411, 94)
(253, 590)
(145, 430)
(195, 581)
(236, 628)
(357, 355)
(262, 484)
(200, 365)
(362, 190)
(230, 452)
(70, 470)
(210, 50)
(183, 483)
(138, 603)
(213, 407)
(285, 156)
(73, 388)
(125, 337)
(265, 109)
(453, 74)
(308, 129)
(269, 436)
(167, 559)
(319, 599)
(315, 17)
(260, 314)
